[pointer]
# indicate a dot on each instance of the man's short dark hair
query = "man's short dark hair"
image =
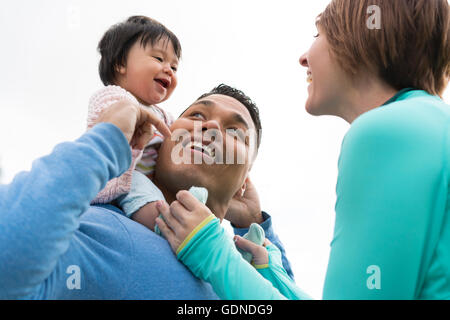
(118, 40)
(240, 96)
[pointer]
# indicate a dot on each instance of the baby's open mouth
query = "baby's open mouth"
(163, 82)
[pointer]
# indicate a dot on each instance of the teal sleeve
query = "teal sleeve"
(391, 199)
(277, 275)
(212, 256)
(272, 237)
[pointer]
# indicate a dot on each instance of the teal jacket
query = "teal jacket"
(392, 230)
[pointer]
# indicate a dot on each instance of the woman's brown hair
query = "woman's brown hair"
(409, 49)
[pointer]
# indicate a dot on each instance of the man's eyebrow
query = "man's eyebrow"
(208, 103)
(240, 119)
(204, 102)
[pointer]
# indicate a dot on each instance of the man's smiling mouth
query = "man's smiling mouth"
(200, 147)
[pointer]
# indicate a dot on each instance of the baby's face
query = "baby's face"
(150, 73)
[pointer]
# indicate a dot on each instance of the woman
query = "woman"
(382, 66)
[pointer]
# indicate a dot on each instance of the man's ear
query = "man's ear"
(240, 193)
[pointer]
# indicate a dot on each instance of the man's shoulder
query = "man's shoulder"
(127, 238)
(114, 228)
(122, 259)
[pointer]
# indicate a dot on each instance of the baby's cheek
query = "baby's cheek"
(173, 86)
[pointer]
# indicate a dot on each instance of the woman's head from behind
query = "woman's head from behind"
(396, 44)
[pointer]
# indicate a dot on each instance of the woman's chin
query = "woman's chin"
(309, 107)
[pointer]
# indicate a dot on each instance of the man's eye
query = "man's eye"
(237, 133)
(197, 115)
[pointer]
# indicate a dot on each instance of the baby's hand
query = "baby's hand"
(181, 217)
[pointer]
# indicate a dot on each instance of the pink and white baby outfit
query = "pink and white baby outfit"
(142, 160)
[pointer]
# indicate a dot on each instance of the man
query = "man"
(55, 246)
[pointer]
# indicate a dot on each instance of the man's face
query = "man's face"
(212, 146)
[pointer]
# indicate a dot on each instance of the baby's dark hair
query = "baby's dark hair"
(118, 40)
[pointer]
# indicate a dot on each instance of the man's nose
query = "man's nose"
(304, 60)
(210, 124)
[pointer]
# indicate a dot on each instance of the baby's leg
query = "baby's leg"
(147, 215)
(140, 203)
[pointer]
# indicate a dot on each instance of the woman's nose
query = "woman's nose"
(304, 60)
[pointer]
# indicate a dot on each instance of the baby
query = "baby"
(139, 61)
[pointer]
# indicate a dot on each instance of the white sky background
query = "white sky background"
(49, 59)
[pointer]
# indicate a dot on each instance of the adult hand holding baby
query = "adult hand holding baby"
(181, 218)
(245, 208)
(135, 122)
(187, 215)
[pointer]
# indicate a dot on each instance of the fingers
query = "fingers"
(247, 245)
(167, 233)
(193, 211)
(159, 124)
(267, 243)
(163, 128)
(187, 200)
(259, 253)
(123, 115)
(169, 218)
(179, 212)
(141, 137)
(177, 223)
(144, 128)
(180, 220)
